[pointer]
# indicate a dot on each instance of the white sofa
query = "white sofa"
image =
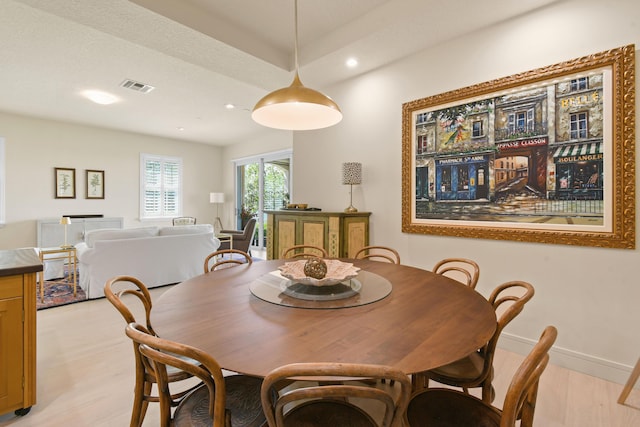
(156, 256)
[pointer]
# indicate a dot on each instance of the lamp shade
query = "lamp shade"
(216, 197)
(352, 173)
(65, 220)
(296, 107)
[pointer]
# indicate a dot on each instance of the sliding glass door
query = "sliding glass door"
(262, 183)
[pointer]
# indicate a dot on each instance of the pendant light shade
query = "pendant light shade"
(296, 107)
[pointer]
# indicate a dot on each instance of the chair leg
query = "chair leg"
(138, 402)
(488, 392)
(630, 383)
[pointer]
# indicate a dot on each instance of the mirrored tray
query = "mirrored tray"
(310, 292)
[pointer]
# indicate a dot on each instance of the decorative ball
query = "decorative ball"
(316, 268)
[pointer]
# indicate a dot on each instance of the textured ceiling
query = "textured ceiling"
(201, 54)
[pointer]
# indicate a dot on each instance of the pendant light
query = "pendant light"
(296, 107)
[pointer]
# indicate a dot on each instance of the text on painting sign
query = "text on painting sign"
(466, 159)
(580, 100)
(584, 158)
(511, 145)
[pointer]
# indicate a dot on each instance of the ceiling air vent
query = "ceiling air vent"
(137, 86)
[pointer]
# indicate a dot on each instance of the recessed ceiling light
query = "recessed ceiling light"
(229, 106)
(100, 97)
(352, 62)
(180, 128)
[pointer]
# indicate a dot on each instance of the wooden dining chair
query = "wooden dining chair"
(219, 260)
(218, 401)
(441, 407)
(117, 290)
(330, 394)
(461, 269)
(378, 253)
(304, 251)
(476, 369)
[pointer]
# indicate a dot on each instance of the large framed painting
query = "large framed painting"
(544, 156)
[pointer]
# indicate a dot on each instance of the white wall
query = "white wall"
(592, 295)
(34, 147)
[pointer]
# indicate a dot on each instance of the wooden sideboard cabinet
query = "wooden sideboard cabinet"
(18, 269)
(341, 234)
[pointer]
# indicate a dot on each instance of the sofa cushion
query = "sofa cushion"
(186, 229)
(118, 233)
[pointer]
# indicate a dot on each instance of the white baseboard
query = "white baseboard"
(580, 362)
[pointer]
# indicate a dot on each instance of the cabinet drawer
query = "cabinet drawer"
(10, 287)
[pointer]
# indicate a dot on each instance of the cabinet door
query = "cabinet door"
(355, 235)
(11, 344)
(286, 235)
(312, 231)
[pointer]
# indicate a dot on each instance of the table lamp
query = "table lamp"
(217, 198)
(351, 175)
(65, 220)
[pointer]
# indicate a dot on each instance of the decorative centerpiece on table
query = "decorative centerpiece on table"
(320, 279)
(318, 272)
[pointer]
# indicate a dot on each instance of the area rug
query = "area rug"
(59, 292)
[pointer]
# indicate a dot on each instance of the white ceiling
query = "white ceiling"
(202, 54)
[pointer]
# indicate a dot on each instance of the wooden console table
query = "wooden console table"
(341, 234)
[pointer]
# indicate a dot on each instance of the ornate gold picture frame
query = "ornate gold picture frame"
(544, 156)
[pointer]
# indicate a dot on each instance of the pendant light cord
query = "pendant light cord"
(295, 47)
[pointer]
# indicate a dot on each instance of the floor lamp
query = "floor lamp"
(351, 175)
(217, 198)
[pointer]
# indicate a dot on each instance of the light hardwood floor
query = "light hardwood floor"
(85, 378)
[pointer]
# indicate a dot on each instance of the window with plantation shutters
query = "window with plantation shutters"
(161, 186)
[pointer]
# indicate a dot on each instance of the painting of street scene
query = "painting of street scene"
(535, 155)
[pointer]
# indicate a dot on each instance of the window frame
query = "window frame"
(163, 212)
(579, 84)
(579, 118)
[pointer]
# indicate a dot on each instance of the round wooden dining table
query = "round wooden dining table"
(425, 321)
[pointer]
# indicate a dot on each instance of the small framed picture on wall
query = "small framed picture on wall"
(95, 184)
(65, 179)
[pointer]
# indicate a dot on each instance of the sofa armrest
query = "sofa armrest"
(83, 252)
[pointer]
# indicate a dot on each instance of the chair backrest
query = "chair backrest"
(461, 269)
(241, 239)
(221, 262)
(378, 252)
(249, 228)
(118, 287)
(324, 391)
(507, 300)
(304, 251)
(184, 220)
(520, 399)
(161, 353)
